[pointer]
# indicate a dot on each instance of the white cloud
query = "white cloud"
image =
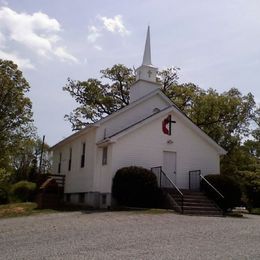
(94, 33)
(97, 47)
(21, 62)
(37, 32)
(114, 25)
(2, 40)
(64, 55)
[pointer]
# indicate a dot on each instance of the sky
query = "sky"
(216, 44)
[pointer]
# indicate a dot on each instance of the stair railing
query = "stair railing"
(165, 183)
(213, 188)
(59, 178)
(216, 191)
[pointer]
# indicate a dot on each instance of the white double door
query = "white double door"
(169, 165)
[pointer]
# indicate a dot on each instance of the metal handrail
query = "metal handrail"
(59, 178)
(172, 182)
(162, 173)
(219, 193)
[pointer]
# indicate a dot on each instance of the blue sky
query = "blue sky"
(215, 43)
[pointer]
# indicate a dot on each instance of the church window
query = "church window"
(104, 155)
(59, 165)
(82, 161)
(70, 158)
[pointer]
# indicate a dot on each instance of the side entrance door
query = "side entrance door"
(169, 165)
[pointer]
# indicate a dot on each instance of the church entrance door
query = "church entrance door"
(169, 165)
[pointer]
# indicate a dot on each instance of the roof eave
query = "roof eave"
(74, 136)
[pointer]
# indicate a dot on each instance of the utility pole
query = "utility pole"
(40, 166)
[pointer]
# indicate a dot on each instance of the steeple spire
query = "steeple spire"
(147, 49)
(145, 75)
(147, 71)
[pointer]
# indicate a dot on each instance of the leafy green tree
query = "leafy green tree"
(26, 159)
(97, 99)
(250, 184)
(253, 145)
(225, 117)
(15, 112)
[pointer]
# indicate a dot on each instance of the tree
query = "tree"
(225, 117)
(97, 99)
(26, 160)
(15, 112)
(253, 145)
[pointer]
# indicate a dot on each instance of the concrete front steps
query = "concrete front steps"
(197, 203)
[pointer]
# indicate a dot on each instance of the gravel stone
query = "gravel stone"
(129, 235)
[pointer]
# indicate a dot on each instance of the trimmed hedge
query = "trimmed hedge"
(23, 191)
(228, 187)
(135, 187)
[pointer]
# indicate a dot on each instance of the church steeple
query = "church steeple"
(145, 75)
(147, 71)
(147, 49)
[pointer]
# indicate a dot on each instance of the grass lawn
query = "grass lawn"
(21, 209)
(30, 208)
(152, 211)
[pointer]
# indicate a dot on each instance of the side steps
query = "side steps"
(197, 203)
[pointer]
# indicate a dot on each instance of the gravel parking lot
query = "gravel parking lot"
(129, 235)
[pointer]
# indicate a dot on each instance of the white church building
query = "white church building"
(151, 131)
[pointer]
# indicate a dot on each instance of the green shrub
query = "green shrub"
(228, 187)
(255, 211)
(23, 191)
(253, 195)
(250, 183)
(3, 195)
(136, 187)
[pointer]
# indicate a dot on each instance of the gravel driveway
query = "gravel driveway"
(129, 235)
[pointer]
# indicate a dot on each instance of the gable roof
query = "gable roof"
(74, 136)
(112, 138)
(135, 103)
(171, 108)
(152, 116)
